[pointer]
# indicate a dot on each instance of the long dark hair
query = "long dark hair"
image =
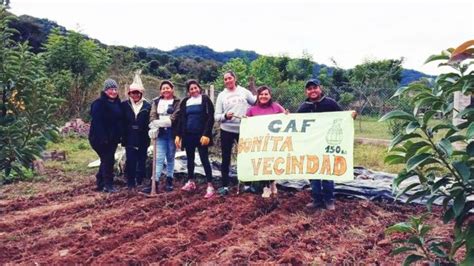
(260, 90)
(190, 82)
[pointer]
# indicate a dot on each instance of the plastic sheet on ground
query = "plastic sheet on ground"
(367, 184)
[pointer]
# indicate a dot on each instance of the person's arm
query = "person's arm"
(123, 108)
(249, 112)
(280, 108)
(180, 118)
(251, 99)
(153, 113)
(97, 111)
(219, 114)
(209, 123)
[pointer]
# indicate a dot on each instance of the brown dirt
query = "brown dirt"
(78, 225)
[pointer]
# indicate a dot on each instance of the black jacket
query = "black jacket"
(107, 123)
(135, 129)
(208, 109)
(326, 104)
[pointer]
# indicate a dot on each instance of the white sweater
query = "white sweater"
(237, 101)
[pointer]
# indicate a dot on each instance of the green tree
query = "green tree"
(27, 104)
(265, 71)
(374, 81)
(239, 67)
(428, 150)
(79, 65)
(301, 68)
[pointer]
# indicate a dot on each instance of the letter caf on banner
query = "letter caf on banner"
(296, 146)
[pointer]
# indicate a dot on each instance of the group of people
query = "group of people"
(187, 124)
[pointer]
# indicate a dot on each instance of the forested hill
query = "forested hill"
(36, 30)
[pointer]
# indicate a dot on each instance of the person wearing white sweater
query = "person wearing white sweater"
(231, 105)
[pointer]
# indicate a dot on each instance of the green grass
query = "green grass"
(369, 127)
(372, 157)
(78, 155)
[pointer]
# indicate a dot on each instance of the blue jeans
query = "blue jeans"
(165, 149)
(322, 190)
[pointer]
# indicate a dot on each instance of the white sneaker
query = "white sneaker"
(266, 192)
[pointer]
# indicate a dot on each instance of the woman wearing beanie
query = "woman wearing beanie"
(136, 113)
(105, 133)
(195, 123)
(266, 106)
(162, 122)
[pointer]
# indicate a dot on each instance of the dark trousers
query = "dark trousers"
(105, 175)
(227, 141)
(322, 190)
(135, 165)
(191, 142)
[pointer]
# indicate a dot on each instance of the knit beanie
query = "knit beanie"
(110, 83)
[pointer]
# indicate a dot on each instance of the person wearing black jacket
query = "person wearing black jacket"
(195, 123)
(136, 113)
(322, 191)
(106, 132)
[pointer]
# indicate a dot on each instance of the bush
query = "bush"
(426, 150)
(26, 104)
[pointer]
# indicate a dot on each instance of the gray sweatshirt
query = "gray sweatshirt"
(237, 101)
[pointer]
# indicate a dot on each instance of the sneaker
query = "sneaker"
(273, 188)
(315, 204)
(223, 191)
(209, 193)
(329, 205)
(266, 192)
(189, 186)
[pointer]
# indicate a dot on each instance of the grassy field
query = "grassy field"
(79, 155)
(369, 127)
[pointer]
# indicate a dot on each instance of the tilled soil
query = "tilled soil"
(87, 227)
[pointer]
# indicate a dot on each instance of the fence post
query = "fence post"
(211, 92)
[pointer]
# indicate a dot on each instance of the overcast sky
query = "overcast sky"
(348, 31)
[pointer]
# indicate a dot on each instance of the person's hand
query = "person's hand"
(354, 115)
(177, 142)
(154, 124)
(287, 111)
(153, 133)
(204, 141)
(229, 115)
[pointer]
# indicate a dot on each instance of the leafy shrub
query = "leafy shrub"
(442, 154)
(27, 103)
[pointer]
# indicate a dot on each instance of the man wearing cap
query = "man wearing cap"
(322, 191)
(136, 113)
(106, 133)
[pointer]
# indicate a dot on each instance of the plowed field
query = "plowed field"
(78, 225)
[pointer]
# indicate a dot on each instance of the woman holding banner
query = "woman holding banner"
(194, 130)
(266, 106)
(231, 105)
